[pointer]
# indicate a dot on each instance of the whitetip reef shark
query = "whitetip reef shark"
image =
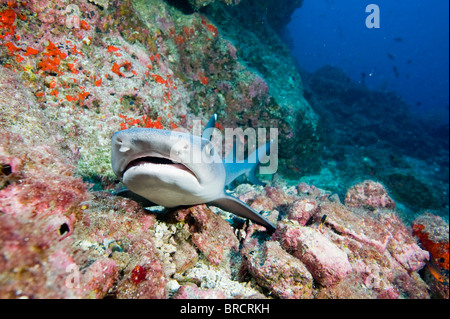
(157, 168)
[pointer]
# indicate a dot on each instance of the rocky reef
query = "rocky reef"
(74, 72)
(372, 135)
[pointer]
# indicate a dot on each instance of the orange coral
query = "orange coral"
(438, 250)
(72, 68)
(11, 48)
(31, 51)
(71, 98)
(7, 18)
(83, 95)
(146, 122)
(75, 51)
(112, 48)
(116, 68)
(203, 79)
(213, 30)
(85, 25)
(52, 59)
(158, 79)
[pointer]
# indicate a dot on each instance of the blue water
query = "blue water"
(408, 54)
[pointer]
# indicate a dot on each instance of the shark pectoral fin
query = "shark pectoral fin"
(144, 202)
(239, 208)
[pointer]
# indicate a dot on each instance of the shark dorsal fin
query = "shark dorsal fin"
(209, 129)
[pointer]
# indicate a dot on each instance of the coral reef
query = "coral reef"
(371, 135)
(276, 270)
(433, 235)
(326, 262)
(370, 195)
(259, 46)
(73, 74)
(212, 235)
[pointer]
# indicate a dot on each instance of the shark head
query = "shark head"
(168, 168)
(178, 169)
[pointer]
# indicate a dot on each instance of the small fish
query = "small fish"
(398, 39)
(391, 56)
(437, 272)
(395, 69)
(322, 221)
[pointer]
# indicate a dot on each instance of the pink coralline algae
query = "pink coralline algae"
(302, 210)
(212, 235)
(275, 269)
(369, 194)
(326, 262)
(357, 253)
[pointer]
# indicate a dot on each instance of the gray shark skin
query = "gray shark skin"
(174, 169)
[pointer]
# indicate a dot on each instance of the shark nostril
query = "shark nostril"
(124, 148)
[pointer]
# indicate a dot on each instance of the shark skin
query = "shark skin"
(171, 169)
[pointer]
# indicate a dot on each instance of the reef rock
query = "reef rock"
(212, 235)
(276, 270)
(326, 262)
(433, 235)
(368, 194)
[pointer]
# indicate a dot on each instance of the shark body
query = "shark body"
(167, 168)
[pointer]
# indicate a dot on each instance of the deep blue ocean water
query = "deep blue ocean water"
(408, 54)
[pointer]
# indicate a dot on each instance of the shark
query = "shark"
(178, 169)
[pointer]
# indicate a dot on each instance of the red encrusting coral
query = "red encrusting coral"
(439, 251)
(145, 121)
(52, 59)
(7, 18)
(138, 274)
(117, 68)
(31, 51)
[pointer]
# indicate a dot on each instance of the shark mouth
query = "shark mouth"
(152, 160)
